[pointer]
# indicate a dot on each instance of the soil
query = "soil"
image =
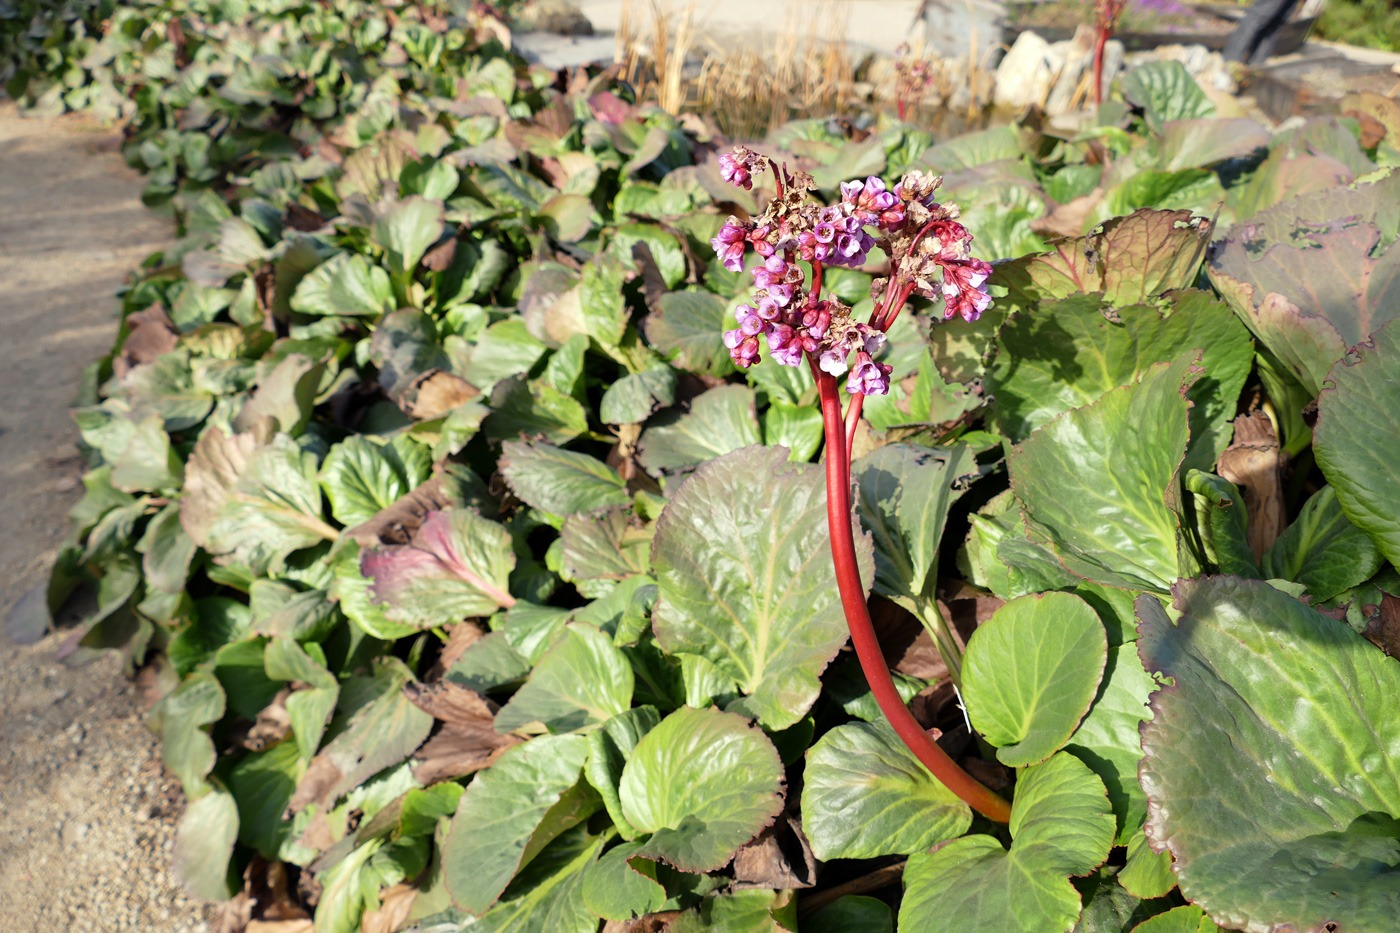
(87, 815)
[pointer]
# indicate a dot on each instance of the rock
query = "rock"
(559, 16)
(1025, 76)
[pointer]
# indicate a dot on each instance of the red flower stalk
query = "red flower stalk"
(930, 256)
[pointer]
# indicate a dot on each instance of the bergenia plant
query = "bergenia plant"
(929, 255)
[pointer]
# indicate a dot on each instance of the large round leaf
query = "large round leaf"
(1357, 438)
(1031, 672)
(1095, 483)
(1272, 764)
(745, 580)
(1060, 826)
(703, 783)
(864, 795)
(582, 680)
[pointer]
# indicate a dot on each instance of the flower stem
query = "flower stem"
(867, 645)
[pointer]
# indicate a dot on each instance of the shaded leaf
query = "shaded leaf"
(719, 421)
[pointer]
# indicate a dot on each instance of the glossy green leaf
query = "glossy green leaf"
(582, 680)
(1166, 91)
(609, 748)
(1071, 352)
(865, 795)
(361, 477)
(1060, 826)
(1294, 711)
(533, 408)
(745, 580)
(719, 421)
(204, 845)
(560, 481)
(689, 328)
(796, 427)
(406, 231)
(903, 493)
(547, 895)
(1322, 550)
(850, 913)
(1221, 525)
(1095, 485)
(620, 886)
(1187, 919)
(1107, 738)
(344, 284)
(1030, 673)
(703, 783)
(509, 813)
(1147, 874)
(605, 546)
(633, 398)
(1357, 438)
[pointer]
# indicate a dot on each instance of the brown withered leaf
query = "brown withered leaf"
(434, 393)
(1067, 219)
(460, 637)
(440, 257)
(967, 607)
(151, 334)
(395, 904)
(320, 776)
(647, 923)
(318, 836)
(991, 773)
(1253, 462)
(936, 706)
(466, 742)
(234, 914)
(272, 725)
(397, 523)
(1383, 629)
(303, 219)
(906, 646)
(780, 857)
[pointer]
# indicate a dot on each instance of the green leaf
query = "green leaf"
(609, 749)
(455, 565)
(167, 551)
(850, 913)
(567, 217)
(1313, 292)
(633, 398)
(547, 896)
(582, 680)
(689, 328)
(1094, 485)
(560, 481)
(1071, 352)
(1031, 672)
(166, 386)
(508, 814)
(602, 307)
(1166, 91)
(753, 911)
(1060, 826)
(720, 420)
(796, 427)
(506, 349)
(310, 708)
(262, 784)
(1107, 738)
(344, 284)
(1187, 919)
(406, 231)
(147, 462)
(865, 795)
(1221, 524)
(1128, 259)
(620, 886)
(1357, 438)
(382, 731)
(1322, 550)
(204, 845)
(1294, 711)
(903, 493)
(703, 783)
(361, 477)
(533, 408)
(180, 717)
(743, 567)
(603, 547)
(287, 394)
(1147, 874)
(252, 503)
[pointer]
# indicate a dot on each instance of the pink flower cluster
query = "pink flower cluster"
(930, 254)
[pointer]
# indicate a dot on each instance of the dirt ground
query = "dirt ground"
(87, 817)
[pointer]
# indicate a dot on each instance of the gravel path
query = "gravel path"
(87, 816)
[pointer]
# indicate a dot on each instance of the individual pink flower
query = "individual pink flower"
(729, 245)
(868, 377)
(965, 289)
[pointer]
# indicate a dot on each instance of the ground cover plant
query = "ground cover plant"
(453, 489)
